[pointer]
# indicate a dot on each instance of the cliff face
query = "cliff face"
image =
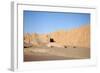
(36, 39)
(78, 37)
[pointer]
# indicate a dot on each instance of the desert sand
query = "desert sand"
(71, 44)
(45, 53)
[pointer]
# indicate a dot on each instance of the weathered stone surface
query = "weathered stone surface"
(78, 37)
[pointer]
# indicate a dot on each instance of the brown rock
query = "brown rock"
(78, 37)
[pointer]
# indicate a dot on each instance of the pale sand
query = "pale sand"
(55, 53)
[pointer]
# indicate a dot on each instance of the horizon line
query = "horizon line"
(58, 30)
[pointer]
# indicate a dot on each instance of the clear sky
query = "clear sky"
(45, 22)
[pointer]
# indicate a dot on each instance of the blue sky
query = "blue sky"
(46, 22)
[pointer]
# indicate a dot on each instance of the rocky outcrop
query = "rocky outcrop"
(77, 37)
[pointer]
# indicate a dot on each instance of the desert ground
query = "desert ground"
(55, 53)
(58, 45)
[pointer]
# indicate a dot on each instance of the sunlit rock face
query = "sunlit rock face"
(77, 37)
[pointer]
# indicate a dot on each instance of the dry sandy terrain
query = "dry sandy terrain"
(46, 53)
(70, 44)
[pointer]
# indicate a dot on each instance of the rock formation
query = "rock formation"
(77, 37)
